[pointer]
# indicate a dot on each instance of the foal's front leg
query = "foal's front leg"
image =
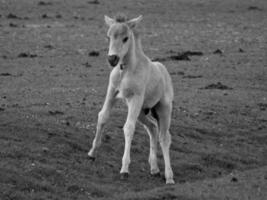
(134, 108)
(103, 116)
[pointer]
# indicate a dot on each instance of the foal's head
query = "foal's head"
(120, 36)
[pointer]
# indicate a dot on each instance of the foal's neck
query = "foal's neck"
(135, 53)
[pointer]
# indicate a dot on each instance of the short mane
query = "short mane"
(120, 18)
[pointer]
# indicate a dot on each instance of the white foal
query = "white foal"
(147, 88)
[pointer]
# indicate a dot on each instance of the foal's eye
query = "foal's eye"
(125, 39)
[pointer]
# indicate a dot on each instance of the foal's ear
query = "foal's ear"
(109, 21)
(133, 22)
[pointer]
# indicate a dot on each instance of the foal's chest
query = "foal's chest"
(126, 84)
(124, 93)
(126, 90)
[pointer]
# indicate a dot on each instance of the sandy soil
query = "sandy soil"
(53, 77)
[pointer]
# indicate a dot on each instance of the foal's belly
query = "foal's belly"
(152, 97)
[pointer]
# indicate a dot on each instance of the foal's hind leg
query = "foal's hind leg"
(152, 130)
(103, 116)
(164, 113)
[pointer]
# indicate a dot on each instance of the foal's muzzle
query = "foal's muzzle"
(113, 60)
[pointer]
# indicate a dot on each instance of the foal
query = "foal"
(147, 88)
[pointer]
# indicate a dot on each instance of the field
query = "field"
(54, 75)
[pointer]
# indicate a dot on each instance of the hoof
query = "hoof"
(124, 175)
(156, 175)
(92, 158)
(170, 182)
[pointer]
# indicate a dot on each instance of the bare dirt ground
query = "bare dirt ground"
(54, 74)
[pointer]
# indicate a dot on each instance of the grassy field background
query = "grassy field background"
(54, 74)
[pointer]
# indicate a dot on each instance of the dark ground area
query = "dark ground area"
(54, 74)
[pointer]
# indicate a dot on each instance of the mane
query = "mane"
(120, 18)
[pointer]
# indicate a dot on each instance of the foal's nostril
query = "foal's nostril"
(113, 60)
